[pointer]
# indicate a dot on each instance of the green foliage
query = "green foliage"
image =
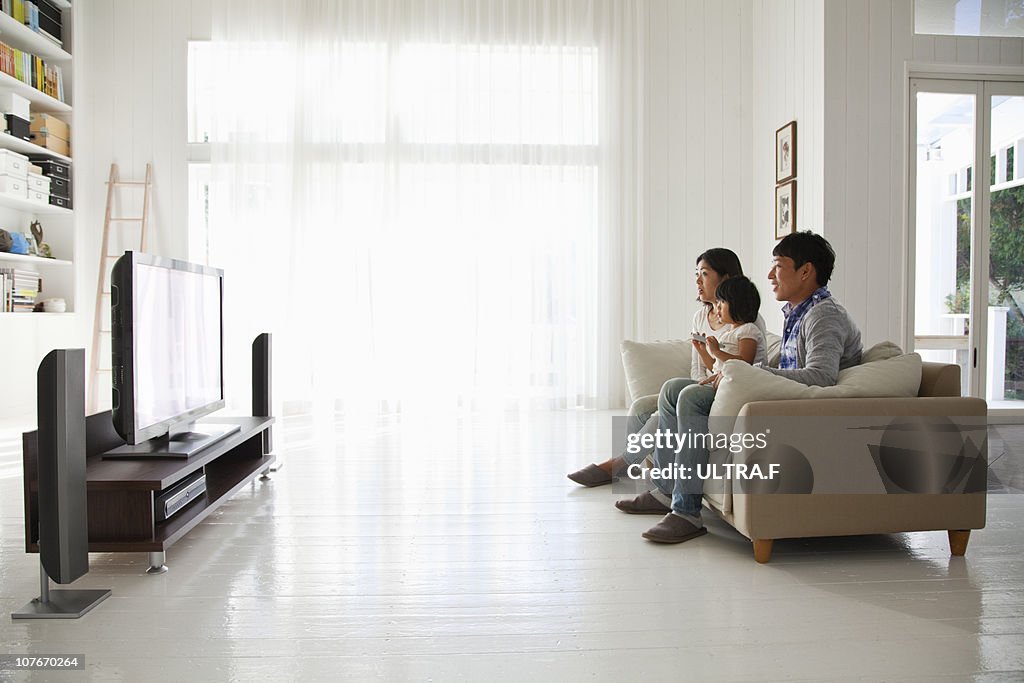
(1006, 272)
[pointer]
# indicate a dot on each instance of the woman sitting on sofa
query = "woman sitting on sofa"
(713, 267)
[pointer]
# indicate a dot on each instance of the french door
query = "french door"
(966, 241)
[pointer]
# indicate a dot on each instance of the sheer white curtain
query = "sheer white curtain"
(429, 202)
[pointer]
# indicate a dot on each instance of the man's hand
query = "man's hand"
(713, 380)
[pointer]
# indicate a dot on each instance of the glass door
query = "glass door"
(1004, 224)
(944, 132)
(967, 233)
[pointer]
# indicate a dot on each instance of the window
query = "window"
(469, 170)
(997, 18)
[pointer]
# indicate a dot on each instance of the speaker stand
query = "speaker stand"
(60, 604)
(156, 563)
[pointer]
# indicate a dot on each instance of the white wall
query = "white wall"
(131, 69)
(788, 85)
(866, 47)
(721, 77)
(698, 173)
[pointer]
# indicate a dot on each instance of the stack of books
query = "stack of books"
(20, 289)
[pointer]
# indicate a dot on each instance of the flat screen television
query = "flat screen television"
(167, 354)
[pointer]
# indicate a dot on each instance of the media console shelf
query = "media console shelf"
(120, 492)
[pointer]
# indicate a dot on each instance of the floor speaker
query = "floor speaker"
(63, 520)
(63, 523)
(262, 401)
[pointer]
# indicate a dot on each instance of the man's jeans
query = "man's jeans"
(683, 407)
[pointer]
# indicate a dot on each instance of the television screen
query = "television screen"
(167, 344)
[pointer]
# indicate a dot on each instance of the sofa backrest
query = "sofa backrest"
(939, 379)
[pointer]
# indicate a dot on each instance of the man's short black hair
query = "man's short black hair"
(806, 247)
(742, 296)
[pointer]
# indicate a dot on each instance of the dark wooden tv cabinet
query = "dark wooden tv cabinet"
(120, 492)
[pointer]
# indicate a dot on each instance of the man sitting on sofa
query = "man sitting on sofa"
(819, 339)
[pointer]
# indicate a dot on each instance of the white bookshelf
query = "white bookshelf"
(18, 259)
(25, 147)
(25, 206)
(22, 37)
(58, 274)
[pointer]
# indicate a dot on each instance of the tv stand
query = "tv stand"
(120, 492)
(182, 444)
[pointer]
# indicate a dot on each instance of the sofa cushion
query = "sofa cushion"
(881, 351)
(648, 365)
(741, 383)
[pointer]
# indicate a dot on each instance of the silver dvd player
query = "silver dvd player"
(172, 500)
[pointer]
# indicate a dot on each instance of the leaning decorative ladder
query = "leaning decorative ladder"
(96, 369)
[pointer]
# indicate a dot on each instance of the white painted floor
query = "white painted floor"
(456, 549)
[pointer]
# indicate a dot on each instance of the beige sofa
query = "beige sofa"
(850, 492)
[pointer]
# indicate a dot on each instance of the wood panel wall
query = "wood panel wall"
(867, 45)
(699, 175)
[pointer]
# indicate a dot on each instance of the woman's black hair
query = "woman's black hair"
(742, 296)
(723, 261)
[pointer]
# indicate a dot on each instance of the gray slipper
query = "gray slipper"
(590, 476)
(673, 529)
(644, 504)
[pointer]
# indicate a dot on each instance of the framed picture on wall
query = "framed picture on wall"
(785, 209)
(785, 153)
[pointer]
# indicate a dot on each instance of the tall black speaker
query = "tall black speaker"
(63, 523)
(262, 401)
(63, 518)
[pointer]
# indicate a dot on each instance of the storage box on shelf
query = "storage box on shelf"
(51, 133)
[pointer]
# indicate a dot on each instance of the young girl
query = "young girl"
(714, 266)
(736, 305)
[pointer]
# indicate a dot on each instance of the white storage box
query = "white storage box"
(14, 186)
(13, 103)
(38, 197)
(37, 182)
(14, 164)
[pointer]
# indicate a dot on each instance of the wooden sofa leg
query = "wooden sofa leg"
(958, 542)
(763, 549)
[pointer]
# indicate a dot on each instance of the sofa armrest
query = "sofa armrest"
(939, 379)
(938, 405)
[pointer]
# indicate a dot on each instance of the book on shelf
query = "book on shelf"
(19, 289)
(32, 70)
(40, 16)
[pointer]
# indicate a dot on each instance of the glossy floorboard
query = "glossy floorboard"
(455, 549)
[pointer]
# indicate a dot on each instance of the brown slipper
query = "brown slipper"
(644, 504)
(591, 476)
(673, 529)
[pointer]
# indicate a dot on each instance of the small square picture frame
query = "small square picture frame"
(785, 153)
(785, 209)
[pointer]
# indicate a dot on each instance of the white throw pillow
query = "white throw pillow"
(742, 383)
(881, 351)
(648, 365)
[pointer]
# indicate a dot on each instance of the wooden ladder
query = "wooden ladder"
(96, 369)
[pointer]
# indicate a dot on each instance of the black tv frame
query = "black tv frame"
(122, 348)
